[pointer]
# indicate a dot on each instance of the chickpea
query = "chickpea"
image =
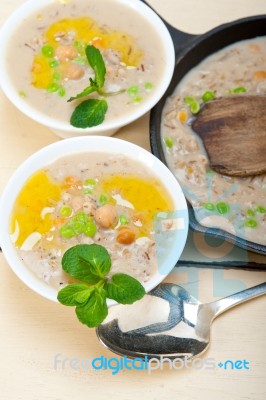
(106, 215)
(126, 235)
(73, 72)
(66, 52)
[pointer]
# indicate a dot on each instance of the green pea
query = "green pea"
(208, 95)
(65, 211)
(22, 94)
(222, 208)
(123, 219)
(168, 142)
(78, 227)
(56, 76)
(209, 206)
(239, 89)
(52, 87)
(48, 51)
(193, 104)
(61, 91)
(148, 86)
(79, 46)
(90, 182)
(138, 99)
(81, 217)
(251, 223)
(250, 213)
(103, 199)
(261, 209)
(133, 90)
(67, 231)
(189, 99)
(90, 228)
(80, 60)
(53, 63)
(195, 107)
(87, 191)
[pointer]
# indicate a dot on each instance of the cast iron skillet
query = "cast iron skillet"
(190, 50)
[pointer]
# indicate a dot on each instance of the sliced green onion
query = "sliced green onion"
(222, 208)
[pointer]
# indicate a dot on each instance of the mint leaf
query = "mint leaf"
(87, 262)
(89, 113)
(98, 258)
(94, 311)
(88, 90)
(75, 264)
(96, 62)
(124, 289)
(75, 294)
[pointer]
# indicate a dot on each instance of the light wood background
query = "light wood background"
(33, 330)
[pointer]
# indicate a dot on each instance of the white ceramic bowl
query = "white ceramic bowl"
(170, 246)
(64, 129)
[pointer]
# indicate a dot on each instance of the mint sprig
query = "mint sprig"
(90, 264)
(91, 112)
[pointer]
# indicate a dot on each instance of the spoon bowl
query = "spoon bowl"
(232, 129)
(167, 322)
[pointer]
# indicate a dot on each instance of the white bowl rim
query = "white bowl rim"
(10, 26)
(53, 151)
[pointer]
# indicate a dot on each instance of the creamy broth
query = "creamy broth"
(89, 198)
(131, 49)
(237, 205)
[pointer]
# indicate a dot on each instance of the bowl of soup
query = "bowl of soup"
(86, 67)
(87, 190)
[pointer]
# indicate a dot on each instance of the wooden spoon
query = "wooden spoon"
(233, 131)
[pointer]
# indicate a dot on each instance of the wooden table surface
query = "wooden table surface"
(34, 330)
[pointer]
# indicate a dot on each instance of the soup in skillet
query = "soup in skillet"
(236, 205)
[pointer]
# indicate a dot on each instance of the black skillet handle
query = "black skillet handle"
(180, 39)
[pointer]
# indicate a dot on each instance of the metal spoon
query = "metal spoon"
(167, 322)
